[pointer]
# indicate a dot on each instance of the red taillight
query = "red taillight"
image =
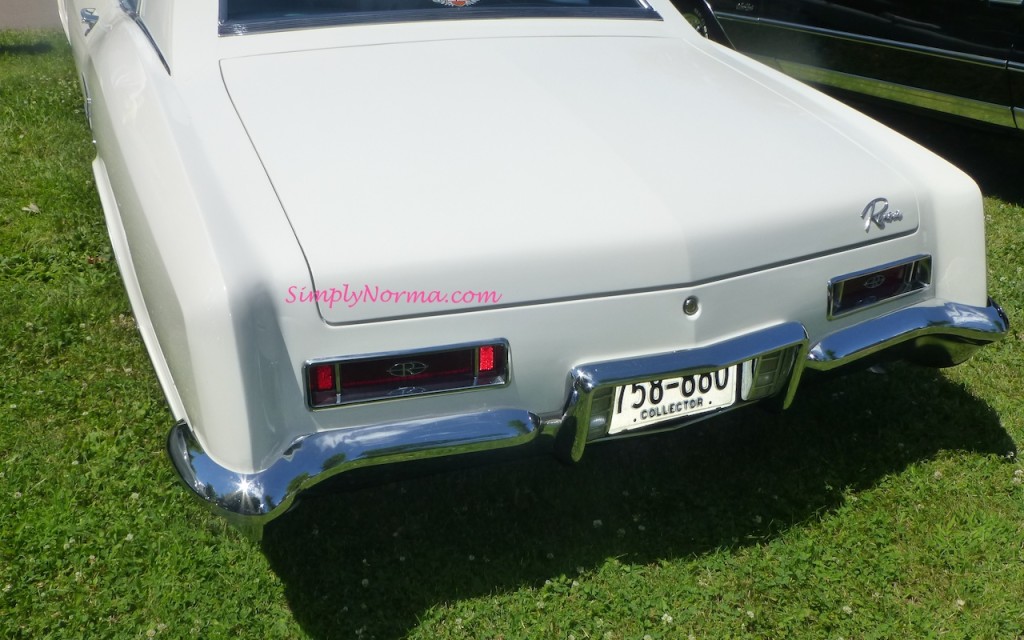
(352, 380)
(323, 377)
(485, 356)
(322, 381)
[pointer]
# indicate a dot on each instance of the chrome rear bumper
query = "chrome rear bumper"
(938, 335)
(250, 500)
(934, 333)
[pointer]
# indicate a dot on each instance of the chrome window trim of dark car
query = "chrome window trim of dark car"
(972, 79)
(1017, 87)
(843, 35)
(987, 112)
(702, 17)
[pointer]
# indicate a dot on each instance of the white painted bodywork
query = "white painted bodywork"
(503, 151)
(595, 173)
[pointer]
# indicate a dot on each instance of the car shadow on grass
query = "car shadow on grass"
(33, 48)
(375, 561)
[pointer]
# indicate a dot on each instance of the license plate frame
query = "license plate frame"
(642, 404)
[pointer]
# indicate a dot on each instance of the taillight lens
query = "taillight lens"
(382, 377)
(322, 377)
(873, 286)
(485, 359)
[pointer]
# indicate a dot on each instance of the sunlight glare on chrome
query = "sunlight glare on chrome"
(249, 492)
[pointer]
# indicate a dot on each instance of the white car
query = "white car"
(369, 232)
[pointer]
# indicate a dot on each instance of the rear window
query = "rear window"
(244, 16)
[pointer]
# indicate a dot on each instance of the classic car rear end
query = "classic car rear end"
(356, 239)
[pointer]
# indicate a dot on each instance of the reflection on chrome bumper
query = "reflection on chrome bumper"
(939, 335)
(934, 333)
(587, 417)
(251, 500)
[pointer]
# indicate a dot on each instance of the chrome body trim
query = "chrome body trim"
(936, 333)
(89, 19)
(130, 9)
(250, 500)
(87, 95)
(996, 114)
(998, 63)
(933, 332)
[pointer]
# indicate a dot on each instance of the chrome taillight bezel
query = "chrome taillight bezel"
(917, 276)
(316, 399)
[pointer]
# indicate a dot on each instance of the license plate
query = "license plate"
(642, 404)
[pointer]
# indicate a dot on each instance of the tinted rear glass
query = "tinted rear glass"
(242, 16)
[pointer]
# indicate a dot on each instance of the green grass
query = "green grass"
(880, 506)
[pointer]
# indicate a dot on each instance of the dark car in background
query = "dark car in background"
(958, 57)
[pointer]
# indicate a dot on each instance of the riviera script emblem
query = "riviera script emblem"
(406, 369)
(878, 212)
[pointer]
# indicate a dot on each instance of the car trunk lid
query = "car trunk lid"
(416, 175)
